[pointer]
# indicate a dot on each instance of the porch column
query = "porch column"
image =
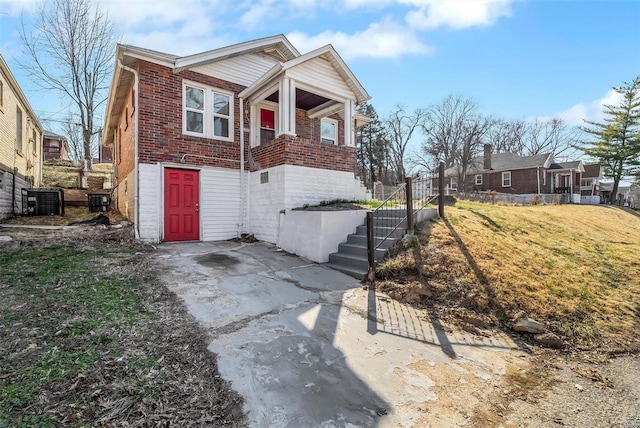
(349, 136)
(287, 106)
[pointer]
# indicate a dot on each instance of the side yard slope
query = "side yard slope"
(575, 268)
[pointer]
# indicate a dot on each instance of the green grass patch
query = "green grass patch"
(61, 309)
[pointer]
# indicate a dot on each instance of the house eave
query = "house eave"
(4, 68)
(279, 45)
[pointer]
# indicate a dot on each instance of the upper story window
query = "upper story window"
(506, 179)
(207, 112)
(18, 129)
(329, 131)
(1, 94)
(478, 179)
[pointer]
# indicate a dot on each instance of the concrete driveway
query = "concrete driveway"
(308, 347)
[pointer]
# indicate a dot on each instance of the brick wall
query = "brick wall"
(160, 134)
(298, 151)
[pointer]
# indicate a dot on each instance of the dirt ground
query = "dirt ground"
(153, 370)
(549, 389)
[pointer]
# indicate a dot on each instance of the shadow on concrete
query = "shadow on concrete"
(274, 319)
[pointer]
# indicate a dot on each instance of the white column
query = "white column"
(349, 136)
(287, 106)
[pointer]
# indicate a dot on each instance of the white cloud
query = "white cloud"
(589, 110)
(386, 39)
(16, 7)
(258, 13)
(432, 14)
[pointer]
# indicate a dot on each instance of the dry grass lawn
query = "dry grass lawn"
(574, 267)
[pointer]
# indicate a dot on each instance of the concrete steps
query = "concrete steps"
(351, 257)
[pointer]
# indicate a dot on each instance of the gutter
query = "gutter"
(136, 158)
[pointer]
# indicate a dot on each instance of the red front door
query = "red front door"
(181, 199)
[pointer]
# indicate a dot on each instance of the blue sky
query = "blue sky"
(518, 59)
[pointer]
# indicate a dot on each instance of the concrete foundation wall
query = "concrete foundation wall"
(316, 234)
(291, 186)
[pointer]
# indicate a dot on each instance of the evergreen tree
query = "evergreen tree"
(617, 140)
(372, 145)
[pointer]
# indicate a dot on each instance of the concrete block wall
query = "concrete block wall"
(293, 186)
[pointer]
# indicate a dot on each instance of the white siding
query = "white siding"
(320, 73)
(219, 203)
(150, 197)
(243, 70)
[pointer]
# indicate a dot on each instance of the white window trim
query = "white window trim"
(265, 105)
(207, 126)
(478, 182)
(335, 122)
(504, 175)
(453, 183)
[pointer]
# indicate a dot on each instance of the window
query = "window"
(329, 131)
(478, 179)
(1, 94)
(453, 183)
(34, 145)
(207, 112)
(18, 129)
(506, 179)
(267, 125)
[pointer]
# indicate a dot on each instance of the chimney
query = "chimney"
(487, 156)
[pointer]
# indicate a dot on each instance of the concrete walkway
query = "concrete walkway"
(308, 347)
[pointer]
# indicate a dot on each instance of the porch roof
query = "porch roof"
(326, 52)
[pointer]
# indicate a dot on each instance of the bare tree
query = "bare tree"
(400, 126)
(454, 131)
(551, 136)
(70, 50)
(508, 136)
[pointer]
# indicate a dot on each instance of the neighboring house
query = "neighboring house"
(622, 196)
(514, 174)
(20, 144)
(212, 145)
(590, 184)
(55, 146)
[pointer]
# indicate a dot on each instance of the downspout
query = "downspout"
(538, 178)
(242, 181)
(136, 183)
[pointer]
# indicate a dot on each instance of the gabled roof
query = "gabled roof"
(278, 46)
(326, 52)
(53, 136)
(593, 170)
(568, 166)
(505, 162)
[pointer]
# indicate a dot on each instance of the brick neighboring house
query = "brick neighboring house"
(20, 144)
(513, 174)
(212, 145)
(55, 146)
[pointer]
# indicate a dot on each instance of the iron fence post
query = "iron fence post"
(409, 194)
(441, 189)
(371, 247)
